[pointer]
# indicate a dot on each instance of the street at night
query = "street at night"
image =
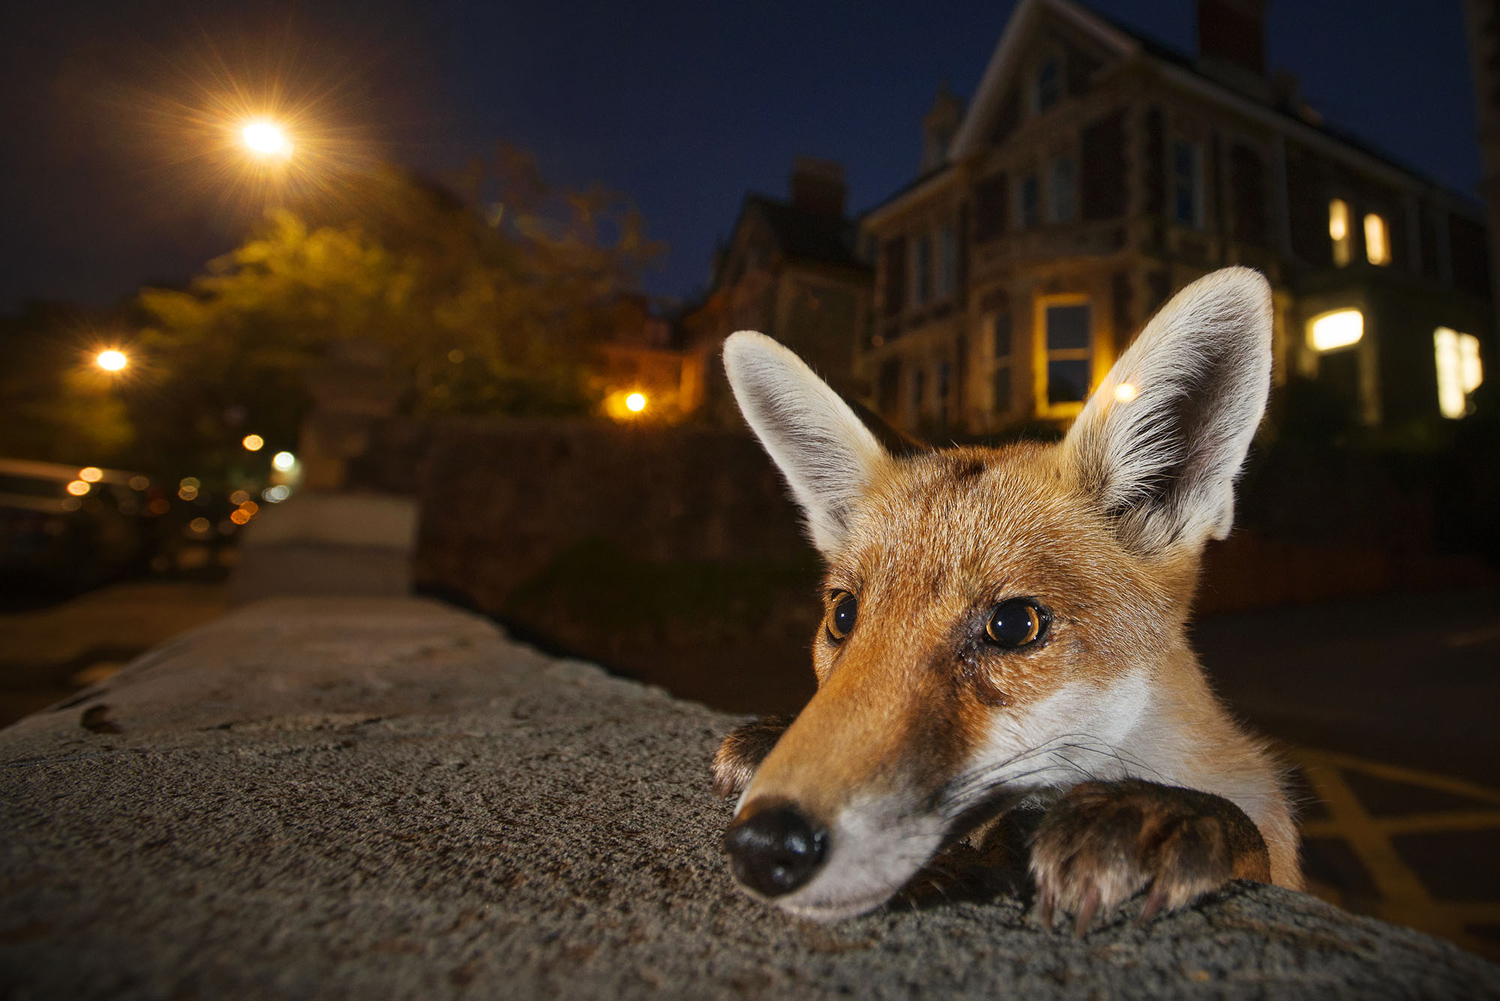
(560, 500)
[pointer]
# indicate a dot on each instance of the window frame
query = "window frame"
(1002, 363)
(946, 262)
(1042, 356)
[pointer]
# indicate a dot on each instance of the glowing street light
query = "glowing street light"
(283, 461)
(635, 402)
(111, 360)
(266, 139)
(253, 442)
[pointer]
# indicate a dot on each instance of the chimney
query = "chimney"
(817, 186)
(1232, 44)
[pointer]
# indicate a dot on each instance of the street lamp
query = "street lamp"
(111, 360)
(266, 139)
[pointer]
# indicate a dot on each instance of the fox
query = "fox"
(1005, 629)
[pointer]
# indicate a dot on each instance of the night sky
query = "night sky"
(106, 182)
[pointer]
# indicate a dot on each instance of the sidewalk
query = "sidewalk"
(50, 653)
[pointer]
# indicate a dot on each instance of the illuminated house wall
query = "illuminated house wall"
(1095, 172)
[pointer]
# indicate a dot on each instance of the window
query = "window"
(1459, 371)
(1068, 327)
(1377, 240)
(1337, 329)
(947, 262)
(944, 389)
(1338, 231)
(1030, 195)
(1048, 84)
(1062, 204)
(1001, 377)
(921, 272)
(1187, 182)
(888, 387)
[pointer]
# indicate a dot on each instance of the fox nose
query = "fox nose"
(775, 850)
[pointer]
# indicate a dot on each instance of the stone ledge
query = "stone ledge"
(386, 797)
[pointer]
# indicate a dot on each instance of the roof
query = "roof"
(805, 235)
(1127, 43)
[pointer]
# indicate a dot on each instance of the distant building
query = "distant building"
(1095, 172)
(790, 270)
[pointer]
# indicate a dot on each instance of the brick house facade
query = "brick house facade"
(1095, 172)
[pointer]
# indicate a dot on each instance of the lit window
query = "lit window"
(947, 262)
(1001, 377)
(1459, 371)
(1030, 195)
(1060, 201)
(1377, 240)
(1068, 356)
(1338, 329)
(1187, 183)
(1048, 84)
(1338, 230)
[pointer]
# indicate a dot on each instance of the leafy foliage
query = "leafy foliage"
(486, 310)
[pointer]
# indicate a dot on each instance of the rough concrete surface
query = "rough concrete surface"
(387, 798)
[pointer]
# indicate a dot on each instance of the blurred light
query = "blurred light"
(1338, 228)
(238, 517)
(1125, 392)
(250, 508)
(267, 139)
(1377, 242)
(187, 493)
(635, 402)
(238, 497)
(78, 488)
(1338, 329)
(139, 483)
(276, 494)
(111, 360)
(160, 506)
(189, 481)
(71, 503)
(1459, 370)
(253, 442)
(199, 526)
(91, 474)
(455, 356)
(283, 461)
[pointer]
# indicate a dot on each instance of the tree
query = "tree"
(490, 305)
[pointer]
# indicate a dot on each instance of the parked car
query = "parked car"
(71, 527)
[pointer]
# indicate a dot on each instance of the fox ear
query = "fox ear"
(826, 454)
(1162, 439)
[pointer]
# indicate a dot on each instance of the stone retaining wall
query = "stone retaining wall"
(385, 797)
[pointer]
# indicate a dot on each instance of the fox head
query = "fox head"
(998, 622)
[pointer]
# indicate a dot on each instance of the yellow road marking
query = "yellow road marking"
(1404, 899)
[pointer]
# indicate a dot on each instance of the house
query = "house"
(790, 270)
(1095, 172)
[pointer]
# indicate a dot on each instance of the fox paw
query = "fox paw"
(1104, 842)
(742, 752)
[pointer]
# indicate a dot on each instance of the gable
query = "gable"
(1078, 40)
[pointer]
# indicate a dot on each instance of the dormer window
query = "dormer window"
(1047, 89)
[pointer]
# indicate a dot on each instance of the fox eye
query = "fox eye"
(841, 619)
(1016, 623)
